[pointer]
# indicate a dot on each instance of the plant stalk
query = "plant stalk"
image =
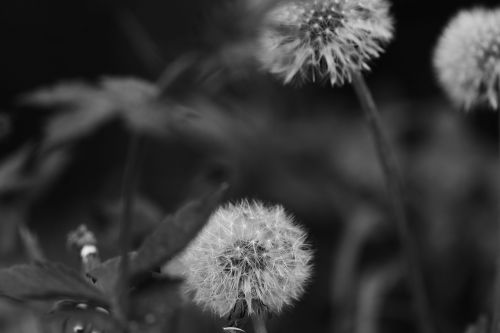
(495, 321)
(128, 189)
(259, 324)
(387, 159)
(121, 302)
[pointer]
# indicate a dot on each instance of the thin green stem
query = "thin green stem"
(259, 324)
(495, 322)
(129, 179)
(387, 159)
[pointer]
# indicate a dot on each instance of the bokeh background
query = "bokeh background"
(305, 147)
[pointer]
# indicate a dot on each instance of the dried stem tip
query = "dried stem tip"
(467, 58)
(325, 39)
(249, 259)
(83, 241)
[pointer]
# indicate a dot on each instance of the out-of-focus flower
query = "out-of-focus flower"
(324, 39)
(249, 259)
(467, 58)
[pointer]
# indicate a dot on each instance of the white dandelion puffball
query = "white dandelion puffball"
(248, 255)
(324, 39)
(467, 58)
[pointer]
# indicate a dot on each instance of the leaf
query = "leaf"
(173, 234)
(154, 305)
(146, 215)
(481, 326)
(106, 275)
(23, 177)
(169, 238)
(47, 281)
(31, 244)
(11, 178)
(16, 176)
(87, 107)
(74, 315)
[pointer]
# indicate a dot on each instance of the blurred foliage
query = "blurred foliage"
(213, 117)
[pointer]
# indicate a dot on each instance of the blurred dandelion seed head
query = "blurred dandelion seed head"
(324, 39)
(467, 58)
(248, 253)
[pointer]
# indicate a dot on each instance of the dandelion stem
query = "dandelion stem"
(495, 322)
(259, 324)
(129, 178)
(394, 184)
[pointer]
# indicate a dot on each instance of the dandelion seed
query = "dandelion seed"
(467, 58)
(258, 264)
(324, 39)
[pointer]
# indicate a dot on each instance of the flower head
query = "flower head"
(249, 257)
(325, 39)
(467, 58)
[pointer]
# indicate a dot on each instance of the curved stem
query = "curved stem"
(259, 324)
(495, 322)
(394, 184)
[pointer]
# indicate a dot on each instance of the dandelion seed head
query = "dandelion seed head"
(324, 39)
(467, 58)
(248, 253)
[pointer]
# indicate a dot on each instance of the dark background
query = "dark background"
(46, 41)
(305, 147)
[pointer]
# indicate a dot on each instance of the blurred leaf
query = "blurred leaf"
(23, 177)
(88, 107)
(69, 316)
(172, 235)
(480, 327)
(12, 215)
(372, 291)
(238, 21)
(16, 173)
(31, 244)
(11, 177)
(146, 215)
(18, 319)
(46, 281)
(169, 238)
(105, 276)
(154, 305)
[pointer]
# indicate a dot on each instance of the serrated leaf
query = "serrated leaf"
(47, 281)
(173, 234)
